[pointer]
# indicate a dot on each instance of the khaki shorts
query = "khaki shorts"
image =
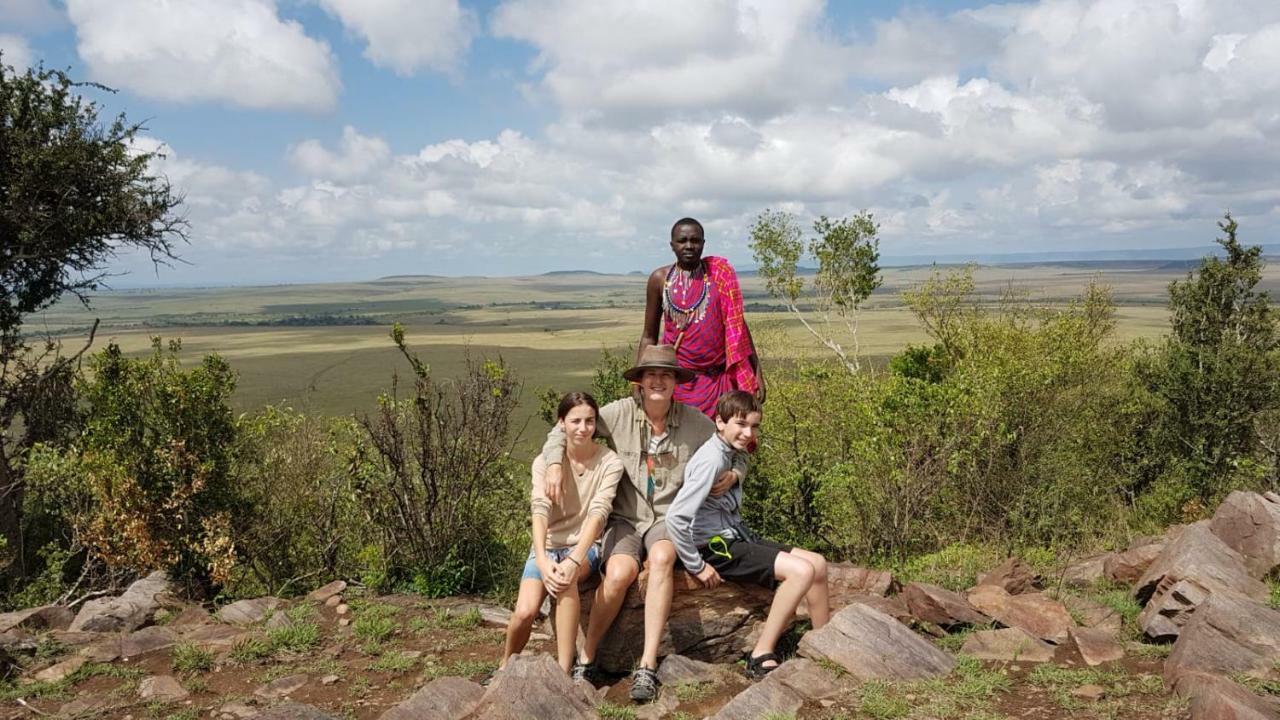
(621, 538)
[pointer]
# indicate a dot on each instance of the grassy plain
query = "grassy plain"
(549, 328)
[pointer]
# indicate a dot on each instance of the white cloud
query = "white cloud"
(236, 51)
(15, 51)
(358, 156)
(408, 35)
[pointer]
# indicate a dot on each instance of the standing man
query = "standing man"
(698, 303)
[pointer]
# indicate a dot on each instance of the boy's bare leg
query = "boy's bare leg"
(818, 598)
(657, 599)
(528, 603)
(797, 577)
(620, 572)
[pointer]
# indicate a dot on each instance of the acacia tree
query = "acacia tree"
(847, 252)
(74, 191)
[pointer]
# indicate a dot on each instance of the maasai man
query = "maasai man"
(698, 303)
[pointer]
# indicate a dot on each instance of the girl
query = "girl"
(564, 534)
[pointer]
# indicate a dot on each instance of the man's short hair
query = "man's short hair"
(736, 403)
(687, 221)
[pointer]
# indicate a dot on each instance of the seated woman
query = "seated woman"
(565, 550)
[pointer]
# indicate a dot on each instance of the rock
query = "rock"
(1249, 523)
(676, 669)
(247, 612)
(1228, 633)
(328, 680)
(873, 646)
(342, 609)
(333, 602)
(1036, 613)
(161, 687)
(532, 687)
(74, 639)
(1126, 567)
(1170, 607)
(1007, 645)
(190, 616)
(446, 698)
(60, 671)
(1092, 693)
(343, 622)
(1213, 697)
(1197, 554)
(333, 589)
(1096, 646)
(107, 650)
(238, 710)
(1086, 572)
(895, 606)
(782, 692)
(1092, 614)
(709, 625)
(278, 620)
(281, 687)
(294, 711)
(128, 612)
(147, 640)
(940, 606)
(17, 642)
(806, 677)
(45, 617)
(1013, 575)
(845, 580)
(85, 706)
(215, 637)
(665, 704)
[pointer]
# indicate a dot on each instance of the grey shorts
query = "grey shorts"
(621, 538)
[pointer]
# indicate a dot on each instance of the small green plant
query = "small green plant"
(374, 629)
(251, 649)
(398, 662)
(615, 712)
(298, 637)
(878, 701)
(195, 684)
(693, 691)
(183, 714)
(459, 668)
(832, 667)
(954, 567)
(469, 620)
(189, 658)
(680, 715)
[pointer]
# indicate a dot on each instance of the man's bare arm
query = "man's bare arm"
(652, 310)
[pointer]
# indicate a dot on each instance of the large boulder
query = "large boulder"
(782, 693)
(1228, 633)
(1127, 566)
(128, 612)
(1036, 613)
(1213, 697)
(847, 581)
(873, 646)
(1170, 607)
(1087, 571)
(446, 698)
(1249, 523)
(532, 687)
(1197, 554)
(45, 617)
(1014, 575)
(709, 625)
(940, 606)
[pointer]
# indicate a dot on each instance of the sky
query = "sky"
(329, 140)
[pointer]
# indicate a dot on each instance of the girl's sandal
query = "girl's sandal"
(756, 668)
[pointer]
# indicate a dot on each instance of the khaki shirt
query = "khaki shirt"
(624, 426)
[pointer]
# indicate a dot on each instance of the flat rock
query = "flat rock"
(128, 612)
(845, 580)
(1249, 523)
(295, 711)
(808, 678)
(709, 625)
(1213, 697)
(1170, 607)
(873, 646)
(105, 650)
(1228, 633)
(940, 606)
(147, 640)
(73, 638)
(676, 669)
(237, 710)
(45, 617)
(1127, 566)
(57, 672)
(1086, 572)
(87, 705)
(1013, 575)
(1007, 645)
(532, 687)
(1197, 554)
(761, 700)
(247, 612)
(215, 637)
(333, 589)
(1092, 693)
(1096, 646)
(191, 616)
(1091, 614)
(662, 706)
(1036, 613)
(446, 698)
(161, 687)
(282, 687)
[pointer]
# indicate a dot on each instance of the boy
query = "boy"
(714, 544)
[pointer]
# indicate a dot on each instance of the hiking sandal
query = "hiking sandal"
(585, 671)
(644, 685)
(756, 668)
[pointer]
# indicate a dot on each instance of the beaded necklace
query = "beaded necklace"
(680, 281)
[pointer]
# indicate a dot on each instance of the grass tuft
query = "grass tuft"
(189, 658)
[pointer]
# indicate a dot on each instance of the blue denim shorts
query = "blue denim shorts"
(557, 555)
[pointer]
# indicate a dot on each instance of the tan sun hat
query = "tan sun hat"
(658, 357)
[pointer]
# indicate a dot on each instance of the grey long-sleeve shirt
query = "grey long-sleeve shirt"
(696, 515)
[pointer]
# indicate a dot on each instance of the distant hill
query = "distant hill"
(555, 273)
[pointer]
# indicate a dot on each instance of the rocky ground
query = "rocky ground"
(1174, 626)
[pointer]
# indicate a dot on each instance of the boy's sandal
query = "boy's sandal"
(756, 668)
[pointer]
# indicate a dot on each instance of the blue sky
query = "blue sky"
(325, 140)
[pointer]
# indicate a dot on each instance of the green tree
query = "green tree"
(74, 191)
(847, 252)
(1219, 370)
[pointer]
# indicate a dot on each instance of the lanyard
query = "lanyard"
(648, 461)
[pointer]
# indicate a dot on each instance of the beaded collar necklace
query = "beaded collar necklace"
(680, 281)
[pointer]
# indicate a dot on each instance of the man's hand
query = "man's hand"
(708, 577)
(552, 480)
(727, 479)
